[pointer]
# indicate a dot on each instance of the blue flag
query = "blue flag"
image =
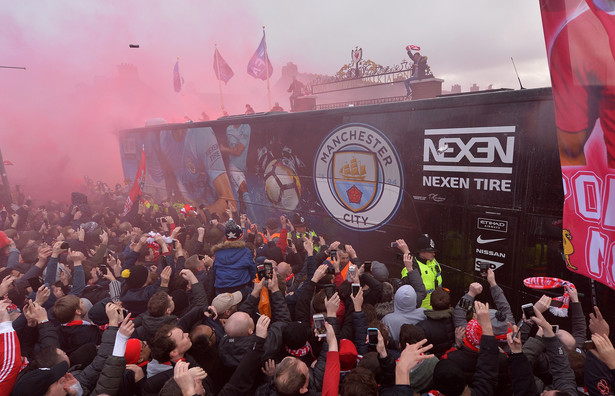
(178, 81)
(260, 66)
(221, 68)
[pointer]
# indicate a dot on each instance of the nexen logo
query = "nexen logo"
(475, 150)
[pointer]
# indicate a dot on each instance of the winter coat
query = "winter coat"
(439, 330)
(233, 265)
(405, 312)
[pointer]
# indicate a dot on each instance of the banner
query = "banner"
(259, 65)
(178, 81)
(137, 187)
(578, 36)
(221, 68)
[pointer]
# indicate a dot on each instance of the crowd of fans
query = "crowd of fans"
(179, 302)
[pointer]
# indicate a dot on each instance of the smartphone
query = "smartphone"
(372, 334)
(64, 245)
(483, 267)
(367, 266)
(260, 271)
(201, 256)
(329, 291)
(556, 303)
(333, 254)
(35, 283)
(465, 304)
(518, 328)
(528, 310)
(355, 288)
(352, 269)
(103, 269)
(319, 325)
(268, 270)
(394, 244)
(589, 344)
(555, 328)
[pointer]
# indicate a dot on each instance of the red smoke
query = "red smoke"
(83, 83)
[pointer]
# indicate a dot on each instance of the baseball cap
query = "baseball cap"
(225, 301)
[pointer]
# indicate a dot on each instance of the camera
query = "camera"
(367, 266)
(483, 268)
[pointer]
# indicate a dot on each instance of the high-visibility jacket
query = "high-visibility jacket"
(308, 234)
(431, 273)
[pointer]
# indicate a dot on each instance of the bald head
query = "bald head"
(239, 324)
(284, 269)
(567, 340)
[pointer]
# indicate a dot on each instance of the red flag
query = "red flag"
(580, 42)
(7, 162)
(137, 187)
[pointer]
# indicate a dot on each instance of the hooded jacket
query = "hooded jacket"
(233, 264)
(439, 330)
(405, 312)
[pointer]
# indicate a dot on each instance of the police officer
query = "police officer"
(425, 262)
(301, 230)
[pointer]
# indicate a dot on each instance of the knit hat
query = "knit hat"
(425, 244)
(298, 220)
(295, 335)
(348, 355)
(133, 351)
(36, 382)
(4, 240)
(232, 231)
(379, 271)
(448, 378)
(473, 334)
(498, 322)
(225, 301)
(136, 276)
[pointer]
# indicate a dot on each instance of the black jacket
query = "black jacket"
(439, 330)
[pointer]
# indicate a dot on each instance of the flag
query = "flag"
(7, 162)
(221, 68)
(137, 187)
(178, 80)
(580, 42)
(259, 64)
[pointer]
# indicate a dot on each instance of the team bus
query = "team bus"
(479, 173)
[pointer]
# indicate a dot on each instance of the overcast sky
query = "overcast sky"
(71, 50)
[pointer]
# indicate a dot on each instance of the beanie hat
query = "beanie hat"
(133, 351)
(180, 299)
(379, 271)
(232, 231)
(473, 334)
(449, 378)
(498, 322)
(4, 240)
(348, 355)
(295, 335)
(136, 276)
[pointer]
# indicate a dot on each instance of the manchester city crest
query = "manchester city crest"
(358, 177)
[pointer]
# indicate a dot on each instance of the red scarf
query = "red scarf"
(303, 351)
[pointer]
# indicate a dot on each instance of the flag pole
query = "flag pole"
(217, 61)
(267, 69)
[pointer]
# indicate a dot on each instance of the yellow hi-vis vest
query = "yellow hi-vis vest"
(431, 274)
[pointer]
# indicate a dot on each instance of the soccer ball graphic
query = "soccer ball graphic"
(282, 186)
